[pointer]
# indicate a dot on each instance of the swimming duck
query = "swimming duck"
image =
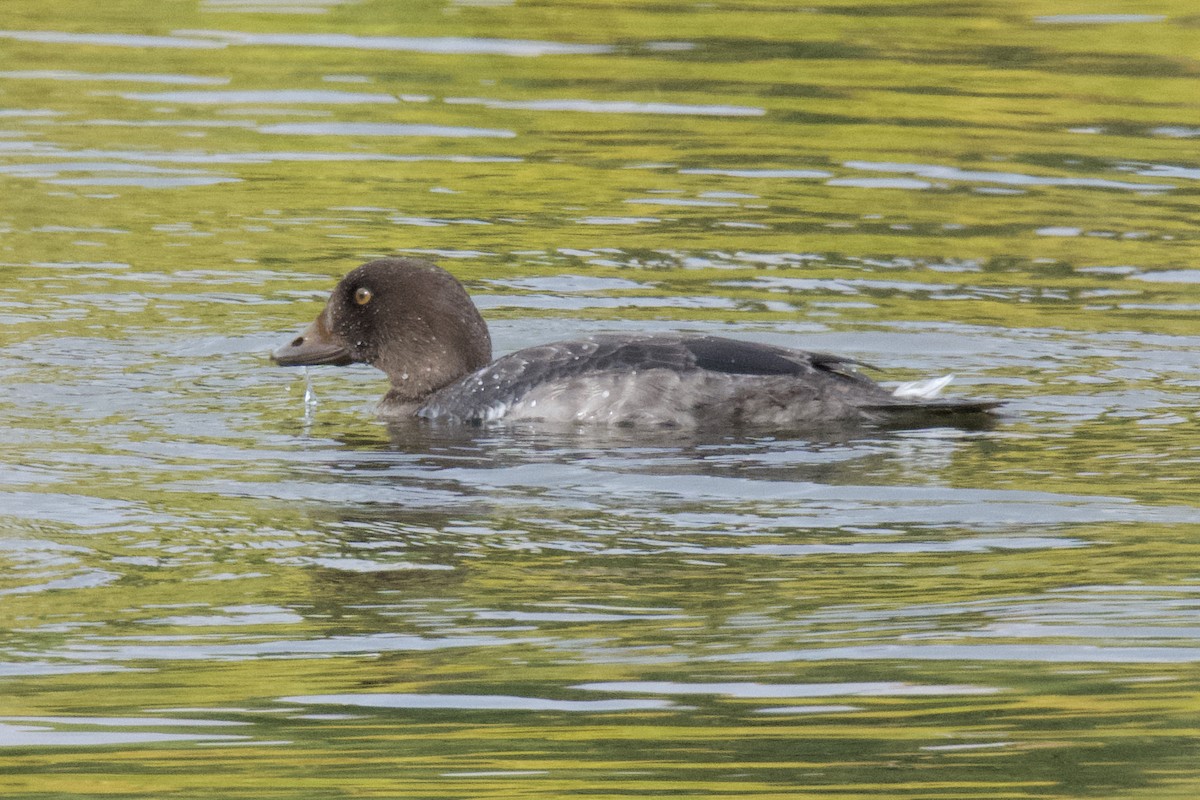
(416, 322)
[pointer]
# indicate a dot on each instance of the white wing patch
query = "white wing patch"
(922, 390)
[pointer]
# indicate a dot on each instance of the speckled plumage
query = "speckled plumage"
(419, 326)
(657, 380)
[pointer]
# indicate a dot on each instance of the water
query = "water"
(220, 578)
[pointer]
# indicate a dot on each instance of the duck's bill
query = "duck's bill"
(313, 346)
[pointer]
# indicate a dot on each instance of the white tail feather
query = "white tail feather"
(922, 390)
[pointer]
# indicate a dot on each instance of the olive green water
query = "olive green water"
(210, 587)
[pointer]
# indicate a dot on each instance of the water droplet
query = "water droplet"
(310, 397)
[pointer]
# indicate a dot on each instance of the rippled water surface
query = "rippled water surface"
(220, 578)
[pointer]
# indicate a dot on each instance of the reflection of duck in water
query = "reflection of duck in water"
(415, 322)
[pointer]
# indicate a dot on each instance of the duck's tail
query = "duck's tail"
(918, 404)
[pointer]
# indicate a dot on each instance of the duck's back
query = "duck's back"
(684, 381)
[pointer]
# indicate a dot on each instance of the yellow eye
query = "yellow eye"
(362, 296)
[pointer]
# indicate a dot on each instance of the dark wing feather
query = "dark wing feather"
(712, 353)
(751, 358)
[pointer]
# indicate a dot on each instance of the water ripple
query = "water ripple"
(477, 702)
(612, 107)
(939, 172)
(452, 45)
(111, 39)
(786, 690)
(129, 77)
(382, 129)
(262, 96)
(26, 735)
(1017, 653)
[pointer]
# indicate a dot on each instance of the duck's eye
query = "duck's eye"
(362, 295)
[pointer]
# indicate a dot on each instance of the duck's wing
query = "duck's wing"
(488, 393)
(842, 389)
(737, 357)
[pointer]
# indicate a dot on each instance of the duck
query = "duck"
(416, 322)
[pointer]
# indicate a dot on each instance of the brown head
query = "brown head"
(405, 316)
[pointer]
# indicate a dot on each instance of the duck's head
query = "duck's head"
(405, 316)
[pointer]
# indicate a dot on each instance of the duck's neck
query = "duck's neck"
(415, 380)
(430, 347)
